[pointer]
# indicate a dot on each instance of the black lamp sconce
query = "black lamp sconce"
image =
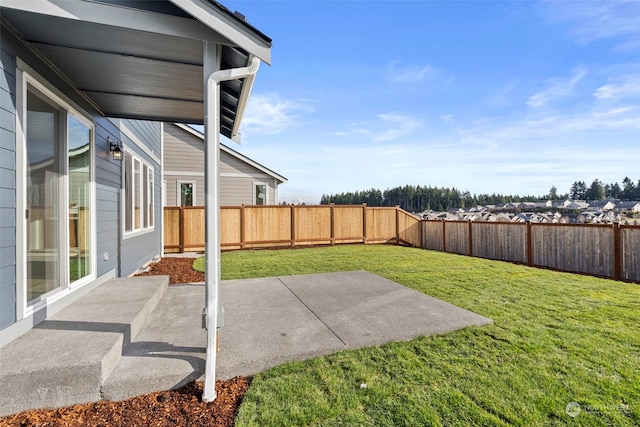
(115, 148)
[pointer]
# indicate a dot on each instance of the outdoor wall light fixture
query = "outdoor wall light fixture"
(115, 148)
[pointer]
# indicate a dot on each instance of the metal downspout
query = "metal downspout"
(212, 212)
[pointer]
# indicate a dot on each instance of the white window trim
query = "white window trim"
(179, 191)
(26, 76)
(266, 192)
(143, 211)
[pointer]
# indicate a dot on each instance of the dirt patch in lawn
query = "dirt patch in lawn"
(181, 407)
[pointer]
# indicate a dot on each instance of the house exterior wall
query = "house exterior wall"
(7, 189)
(143, 138)
(115, 254)
(184, 162)
(237, 180)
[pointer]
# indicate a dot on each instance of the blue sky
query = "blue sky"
(510, 97)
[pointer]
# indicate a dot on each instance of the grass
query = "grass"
(557, 338)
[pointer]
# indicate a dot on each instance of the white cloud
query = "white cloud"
(555, 127)
(448, 118)
(597, 20)
(387, 127)
(272, 114)
(503, 97)
(623, 87)
(412, 74)
(558, 89)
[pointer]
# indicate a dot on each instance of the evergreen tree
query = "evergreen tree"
(595, 192)
(629, 189)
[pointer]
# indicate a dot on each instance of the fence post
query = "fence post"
(242, 227)
(470, 238)
(529, 245)
(364, 223)
(397, 225)
(617, 252)
(332, 223)
(181, 228)
(444, 235)
(293, 225)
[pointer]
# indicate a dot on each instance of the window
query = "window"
(137, 194)
(58, 221)
(186, 193)
(260, 194)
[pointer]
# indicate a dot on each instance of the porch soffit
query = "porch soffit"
(134, 62)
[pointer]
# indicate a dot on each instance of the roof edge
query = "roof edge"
(231, 26)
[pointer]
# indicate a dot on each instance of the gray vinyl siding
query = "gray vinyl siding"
(7, 189)
(108, 183)
(184, 152)
(238, 189)
(125, 255)
(137, 250)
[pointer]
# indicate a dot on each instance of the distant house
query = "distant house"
(603, 205)
(543, 204)
(560, 204)
(511, 205)
(630, 206)
(242, 180)
(577, 205)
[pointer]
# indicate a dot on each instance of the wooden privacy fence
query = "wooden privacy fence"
(243, 227)
(600, 250)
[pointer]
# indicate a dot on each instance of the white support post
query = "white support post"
(212, 210)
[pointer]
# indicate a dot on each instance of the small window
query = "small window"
(186, 193)
(260, 194)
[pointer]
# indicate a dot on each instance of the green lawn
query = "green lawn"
(557, 338)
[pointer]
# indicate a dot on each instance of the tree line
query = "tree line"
(420, 198)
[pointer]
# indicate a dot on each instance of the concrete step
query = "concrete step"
(65, 359)
(169, 351)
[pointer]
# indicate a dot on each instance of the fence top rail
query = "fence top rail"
(389, 208)
(547, 224)
(533, 224)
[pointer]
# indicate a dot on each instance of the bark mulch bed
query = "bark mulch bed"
(181, 407)
(179, 270)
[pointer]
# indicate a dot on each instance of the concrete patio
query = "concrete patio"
(138, 335)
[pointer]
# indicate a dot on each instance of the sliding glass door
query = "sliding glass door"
(59, 199)
(79, 161)
(43, 199)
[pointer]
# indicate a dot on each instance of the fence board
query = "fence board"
(581, 249)
(501, 241)
(457, 237)
(409, 229)
(348, 224)
(630, 246)
(267, 226)
(312, 225)
(230, 227)
(381, 225)
(172, 229)
(432, 235)
(193, 228)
